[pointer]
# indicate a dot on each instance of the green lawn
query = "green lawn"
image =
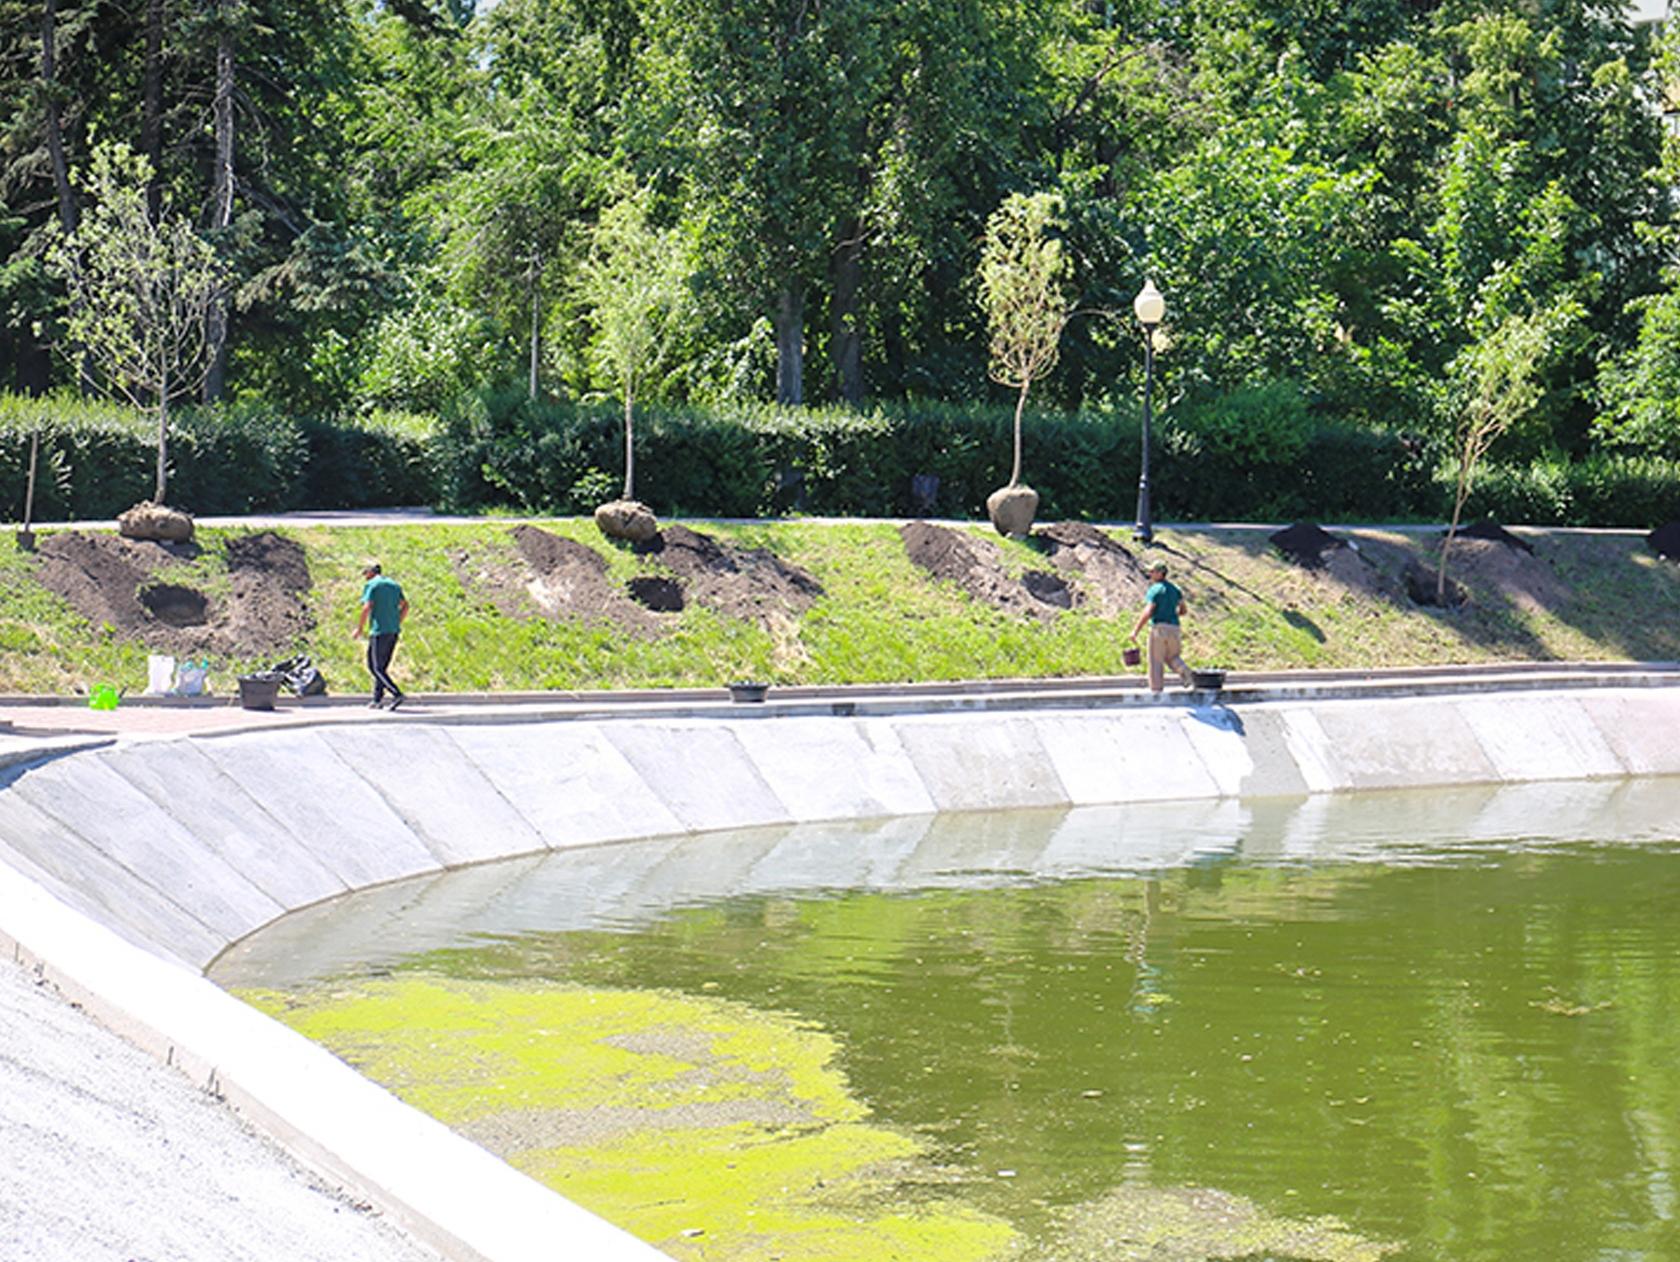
(1602, 597)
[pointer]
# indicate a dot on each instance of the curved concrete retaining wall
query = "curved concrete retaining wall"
(173, 849)
(184, 846)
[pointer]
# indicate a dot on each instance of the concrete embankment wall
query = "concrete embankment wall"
(184, 846)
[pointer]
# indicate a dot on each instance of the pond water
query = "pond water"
(1409, 1025)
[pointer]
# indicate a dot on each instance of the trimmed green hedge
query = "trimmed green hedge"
(497, 449)
(1642, 492)
(500, 449)
(97, 459)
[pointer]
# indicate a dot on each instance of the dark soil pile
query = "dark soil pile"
(1306, 543)
(1109, 576)
(1494, 532)
(1335, 560)
(557, 578)
(126, 584)
(753, 584)
(955, 556)
(1665, 540)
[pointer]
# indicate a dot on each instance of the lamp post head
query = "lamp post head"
(1151, 308)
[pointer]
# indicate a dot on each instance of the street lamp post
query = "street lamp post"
(1150, 308)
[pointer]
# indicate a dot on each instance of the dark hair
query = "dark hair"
(372, 567)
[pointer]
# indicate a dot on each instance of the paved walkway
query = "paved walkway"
(25, 722)
(110, 1155)
(426, 516)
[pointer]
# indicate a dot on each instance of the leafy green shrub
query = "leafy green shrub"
(96, 459)
(1265, 424)
(1605, 490)
(235, 459)
(497, 448)
(1537, 494)
(384, 459)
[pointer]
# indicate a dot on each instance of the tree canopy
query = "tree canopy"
(1352, 200)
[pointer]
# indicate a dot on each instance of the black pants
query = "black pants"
(381, 648)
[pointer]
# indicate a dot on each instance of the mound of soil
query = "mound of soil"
(556, 578)
(1306, 543)
(1515, 574)
(1493, 531)
(125, 584)
(1665, 540)
(1109, 576)
(955, 556)
(753, 584)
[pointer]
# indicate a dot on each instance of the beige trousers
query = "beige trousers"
(1165, 649)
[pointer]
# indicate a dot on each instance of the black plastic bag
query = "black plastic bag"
(299, 676)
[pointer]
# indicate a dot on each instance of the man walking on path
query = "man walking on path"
(1165, 644)
(383, 609)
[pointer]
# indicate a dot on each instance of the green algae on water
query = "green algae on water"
(705, 1126)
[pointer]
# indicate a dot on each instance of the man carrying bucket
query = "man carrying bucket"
(1166, 602)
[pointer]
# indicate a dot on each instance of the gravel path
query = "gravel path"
(108, 1156)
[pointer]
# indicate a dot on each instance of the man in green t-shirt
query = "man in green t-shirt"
(1166, 602)
(383, 609)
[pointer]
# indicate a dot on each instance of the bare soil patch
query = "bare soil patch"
(559, 578)
(553, 577)
(126, 584)
(975, 566)
(1107, 574)
(1513, 572)
(753, 584)
(1492, 530)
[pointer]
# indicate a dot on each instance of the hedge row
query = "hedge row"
(1641, 492)
(500, 450)
(934, 459)
(96, 459)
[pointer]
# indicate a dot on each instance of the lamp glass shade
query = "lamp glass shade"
(1151, 308)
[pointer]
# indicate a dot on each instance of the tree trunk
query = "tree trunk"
(790, 345)
(162, 441)
(536, 336)
(55, 122)
(629, 442)
(221, 202)
(151, 110)
(845, 338)
(67, 213)
(1020, 407)
(1461, 494)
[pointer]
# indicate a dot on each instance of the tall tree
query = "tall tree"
(633, 284)
(1024, 277)
(140, 291)
(225, 15)
(763, 108)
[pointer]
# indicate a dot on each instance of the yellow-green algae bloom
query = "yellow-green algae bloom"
(704, 1126)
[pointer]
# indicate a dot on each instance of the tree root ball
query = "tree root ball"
(147, 520)
(1012, 509)
(629, 520)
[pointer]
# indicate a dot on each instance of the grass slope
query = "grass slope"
(881, 619)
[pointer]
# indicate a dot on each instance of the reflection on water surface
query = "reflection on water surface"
(1413, 1025)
